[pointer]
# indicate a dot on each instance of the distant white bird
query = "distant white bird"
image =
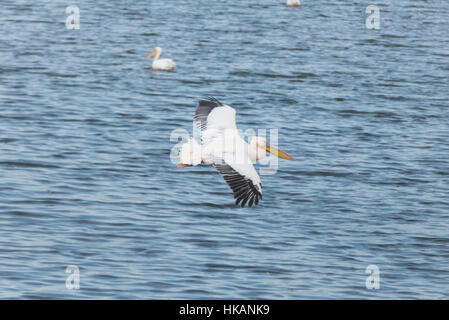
(222, 147)
(293, 3)
(161, 64)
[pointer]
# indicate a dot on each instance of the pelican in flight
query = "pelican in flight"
(161, 64)
(222, 147)
(293, 3)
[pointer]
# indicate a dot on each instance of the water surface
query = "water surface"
(85, 171)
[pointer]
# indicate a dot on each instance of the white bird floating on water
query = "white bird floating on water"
(293, 3)
(161, 64)
(222, 147)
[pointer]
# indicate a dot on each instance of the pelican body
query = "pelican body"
(222, 147)
(161, 64)
(293, 3)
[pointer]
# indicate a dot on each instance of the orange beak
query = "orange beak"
(151, 54)
(278, 152)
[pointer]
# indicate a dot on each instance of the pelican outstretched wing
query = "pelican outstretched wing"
(242, 178)
(212, 118)
(218, 131)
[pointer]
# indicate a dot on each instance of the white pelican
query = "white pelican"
(293, 3)
(161, 64)
(222, 147)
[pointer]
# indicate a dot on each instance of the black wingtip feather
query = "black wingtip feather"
(210, 102)
(244, 202)
(251, 201)
(243, 188)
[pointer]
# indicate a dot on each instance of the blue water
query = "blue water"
(85, 171)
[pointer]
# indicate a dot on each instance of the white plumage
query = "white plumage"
(161, 64)
(222, 147)
(293, 3)
(190, 153)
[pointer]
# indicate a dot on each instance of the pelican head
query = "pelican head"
(259, 146)
(157, 50)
